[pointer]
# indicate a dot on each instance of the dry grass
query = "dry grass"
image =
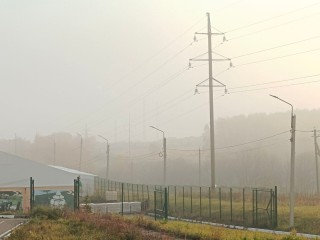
(194, 231)
(65, 225)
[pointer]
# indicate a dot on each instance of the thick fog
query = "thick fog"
(72, 69)
(65, 65)
(240, 159)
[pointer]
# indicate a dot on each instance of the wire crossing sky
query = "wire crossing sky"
(68, 65)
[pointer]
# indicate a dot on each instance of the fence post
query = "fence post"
(183, 201)
(31, 193)
(155, 205)
(122, 196)
(243, 207)
(168, 200)
(231, 204)
(271, 202)
(166, 203)
(148, 193)
(220, 202)
(74, 194)
(175, 199)
(210, 202)
(200, 203)
(276, 205)
(253, 208)
(257, 206)
(132, 192)
(78, 192)
(128, 192)
(138, 192)
(191, 200)
(142, 192)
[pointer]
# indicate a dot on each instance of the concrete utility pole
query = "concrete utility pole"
(292, 163)
(316, 154)
(164, 155)
(292, 173)
(107, 152)
(211, 79)
(212, 152)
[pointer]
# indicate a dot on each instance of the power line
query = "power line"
(304, 131)
(279, 46)
(187, 112)
(232, 146)
(272, 27)
(183, 150)
(170, 120)
(278, 81)
(141, 156)
(144, 78)
(171, 105)
(283, 56)
(172, 77)
(162, 65)
(157, 53)
(144, 155)
(261, 147)
(271, 18)
(254, 141)
(288, 85)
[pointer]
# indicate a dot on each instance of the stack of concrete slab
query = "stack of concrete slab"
(128, 207)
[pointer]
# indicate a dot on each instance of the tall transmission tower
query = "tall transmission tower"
(209, 33)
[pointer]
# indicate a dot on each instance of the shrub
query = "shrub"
(46, 213)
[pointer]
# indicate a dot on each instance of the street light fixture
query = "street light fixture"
(164, 155)
(107, 170)
(293, 146)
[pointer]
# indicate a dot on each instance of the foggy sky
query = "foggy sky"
(65, 65)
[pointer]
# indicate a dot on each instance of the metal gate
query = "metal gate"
(161, 203)
(265, 212)
(55, 198)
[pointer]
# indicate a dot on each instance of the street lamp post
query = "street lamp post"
(293, 146)
(108, 148)
(164, 155)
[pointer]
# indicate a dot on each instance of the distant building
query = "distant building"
(16, 171)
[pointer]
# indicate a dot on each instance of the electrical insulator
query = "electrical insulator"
(194, 38)
(196, 91)
(231, 65)
(224, 38)
(189, 64)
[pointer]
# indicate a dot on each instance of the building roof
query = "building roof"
(15, 171)
(69, 170)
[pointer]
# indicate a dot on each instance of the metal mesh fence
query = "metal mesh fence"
(250, 207)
